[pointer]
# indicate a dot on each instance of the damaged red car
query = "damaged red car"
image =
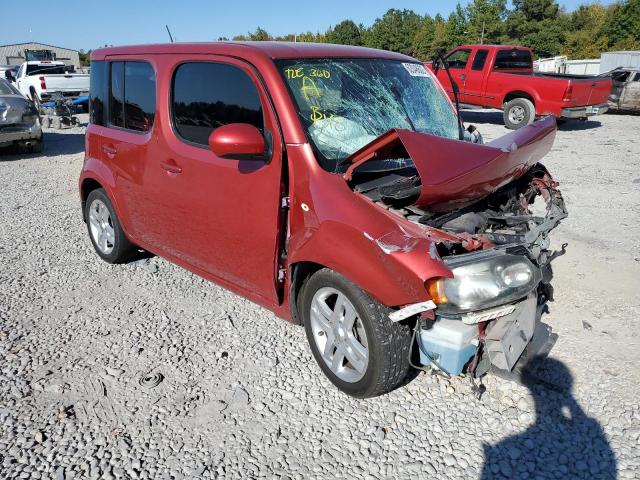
(335, 186)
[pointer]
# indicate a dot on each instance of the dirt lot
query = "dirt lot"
(83, 343)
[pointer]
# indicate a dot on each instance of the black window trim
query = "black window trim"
(485, 51)
(174, 130)
(107, 112)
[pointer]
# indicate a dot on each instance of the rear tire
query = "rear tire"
(104, 229)
(38, 147)
(518, 113)
(351, 337)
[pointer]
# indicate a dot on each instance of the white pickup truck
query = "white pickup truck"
(37, 80)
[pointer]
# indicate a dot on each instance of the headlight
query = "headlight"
(484, 280)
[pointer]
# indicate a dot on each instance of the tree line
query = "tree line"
(541, 25)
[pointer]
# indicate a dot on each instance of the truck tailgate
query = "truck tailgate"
(67, 83)
(589, 92)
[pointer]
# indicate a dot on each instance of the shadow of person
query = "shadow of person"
(564, 442)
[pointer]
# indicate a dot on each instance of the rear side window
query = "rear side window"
(458, 59)
(98, 93)
(139, 96)
(513, 60)
(132, 99)
(208, 95)
(479, 60)
(620, 77)
(44, 69)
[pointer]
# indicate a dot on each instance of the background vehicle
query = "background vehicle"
(625, 94)
(39, 55)
(495, 76)
(19, 120)
(37, 80)
(9, 72)
(331, 185)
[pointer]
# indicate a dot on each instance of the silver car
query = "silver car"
(19, 120)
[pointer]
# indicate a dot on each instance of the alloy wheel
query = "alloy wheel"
(339, 334)
(101, 227)
(516, 114)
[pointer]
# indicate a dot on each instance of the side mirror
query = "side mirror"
(239, 141)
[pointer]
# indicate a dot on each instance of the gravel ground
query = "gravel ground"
(82, 344)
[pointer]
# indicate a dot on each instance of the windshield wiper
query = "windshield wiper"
(454, 86)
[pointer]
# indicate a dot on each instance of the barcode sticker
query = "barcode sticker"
(415, 69)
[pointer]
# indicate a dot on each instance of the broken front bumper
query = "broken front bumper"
(581, 112)
(497, 340)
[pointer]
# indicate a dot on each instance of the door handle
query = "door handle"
(109, 150)
(463, 77)
(171, 167)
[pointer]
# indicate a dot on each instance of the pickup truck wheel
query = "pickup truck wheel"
(518, 113)
(36, 100)
(105, 230)
(352, 339)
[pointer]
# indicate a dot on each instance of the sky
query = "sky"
(87, 24)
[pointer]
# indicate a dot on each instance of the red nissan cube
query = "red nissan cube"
(335, 186)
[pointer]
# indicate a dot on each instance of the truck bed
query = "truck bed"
(72, 82)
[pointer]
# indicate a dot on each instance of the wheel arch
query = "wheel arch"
(391, 277)
(87, 186)
(518, 94)
(300, 273)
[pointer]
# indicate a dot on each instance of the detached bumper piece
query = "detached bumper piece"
(508, 336)
(582, 112)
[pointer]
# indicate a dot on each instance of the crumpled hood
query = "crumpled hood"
(455, 174)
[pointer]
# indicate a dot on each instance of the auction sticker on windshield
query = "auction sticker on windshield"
(415, 69)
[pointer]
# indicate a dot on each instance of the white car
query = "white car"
(38, 80)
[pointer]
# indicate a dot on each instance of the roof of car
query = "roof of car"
(270, 49)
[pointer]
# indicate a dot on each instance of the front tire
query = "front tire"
(351, 337)
(518, 113)
(105, 231)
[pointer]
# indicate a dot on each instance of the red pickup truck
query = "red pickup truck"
(502, 76)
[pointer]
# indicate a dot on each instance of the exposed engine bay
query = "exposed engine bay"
(503, 218)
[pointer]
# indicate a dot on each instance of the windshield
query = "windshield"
(46, 69)
(7, 89)
(344, 104)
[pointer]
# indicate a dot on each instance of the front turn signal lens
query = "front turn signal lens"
(435, 288)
